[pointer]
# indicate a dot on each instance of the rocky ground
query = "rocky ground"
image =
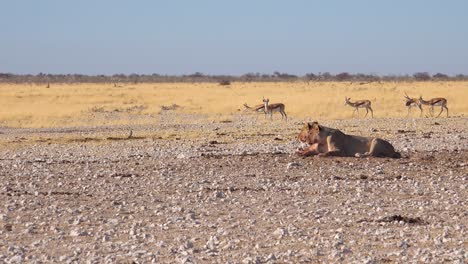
(190, 190)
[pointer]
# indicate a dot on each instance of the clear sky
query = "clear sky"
(233, 37)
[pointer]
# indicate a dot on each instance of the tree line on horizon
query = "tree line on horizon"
(43, 78)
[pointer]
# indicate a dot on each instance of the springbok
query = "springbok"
(442, 102)
(412, 102)
(256, 109)
(360, 104)
(270, 108)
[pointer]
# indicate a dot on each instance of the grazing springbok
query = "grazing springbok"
(270, 108)
(256, 109)
(442, 102)
(412, 102)
(360, 104)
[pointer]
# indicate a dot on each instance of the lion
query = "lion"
(325, 141)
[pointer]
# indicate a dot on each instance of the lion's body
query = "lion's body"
(326, 141)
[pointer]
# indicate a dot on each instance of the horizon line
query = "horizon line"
(202, 74)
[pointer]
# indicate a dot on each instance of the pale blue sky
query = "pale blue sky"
(233, 37)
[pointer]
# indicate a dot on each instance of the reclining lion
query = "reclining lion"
(325, 141)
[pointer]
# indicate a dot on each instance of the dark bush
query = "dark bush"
(224, 82)
(422, 76)
(440, 76)
(344, 76)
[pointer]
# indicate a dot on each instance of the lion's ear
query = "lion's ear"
(315, 126)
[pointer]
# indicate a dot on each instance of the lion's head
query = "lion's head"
(304, 133)
(309, 133)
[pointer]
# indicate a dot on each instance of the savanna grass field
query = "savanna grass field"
(66, 105)
(181, 173)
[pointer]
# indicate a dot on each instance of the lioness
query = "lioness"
(325, 141)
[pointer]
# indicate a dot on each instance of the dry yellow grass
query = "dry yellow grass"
(24, 105)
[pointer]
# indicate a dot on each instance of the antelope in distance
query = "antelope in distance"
(412, 102)
(442, 102)
(360, 104)
(271, 108)
(256, 109)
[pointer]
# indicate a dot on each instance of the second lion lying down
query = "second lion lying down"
(325, 141)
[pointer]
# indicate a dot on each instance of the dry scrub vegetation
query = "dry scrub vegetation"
(61, 105)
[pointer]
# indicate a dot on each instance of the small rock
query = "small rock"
(16, 259)
(8, 227)
(212, 243)
(403, 244)
(247, 260)
(75, 233)
(218, 194)
(271, 257)
(280, 232)
(293, 164)
(190, 215)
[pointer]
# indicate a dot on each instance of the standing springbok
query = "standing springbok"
(442, 102)
(412, 102)
(360, 104)
(270, 108)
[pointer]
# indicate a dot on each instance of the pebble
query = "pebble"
(293, 165)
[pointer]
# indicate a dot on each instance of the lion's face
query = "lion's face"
(304, 134)
(310, 133)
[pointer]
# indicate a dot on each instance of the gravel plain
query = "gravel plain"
(191, 190)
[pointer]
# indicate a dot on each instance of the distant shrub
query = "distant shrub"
(170, 107)
(422, 76)
(224, 82)
(440, 76)
(285, 76)
(310, 77)
(326, 76)
(5, 75)
(197, 75)
(461, 77)
(344, 76)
